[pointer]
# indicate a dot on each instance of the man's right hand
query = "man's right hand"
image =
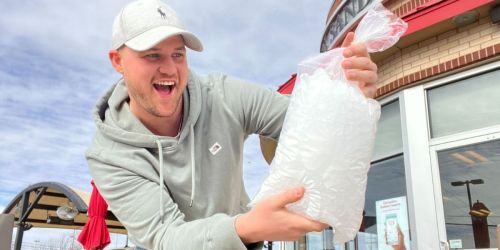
(270, 220)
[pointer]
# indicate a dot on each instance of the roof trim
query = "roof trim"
(80, 204)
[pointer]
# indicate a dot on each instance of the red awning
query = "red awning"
(287, 87)
(438, 11)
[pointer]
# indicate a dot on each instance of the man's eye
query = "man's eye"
(152, 56)
(178, 55)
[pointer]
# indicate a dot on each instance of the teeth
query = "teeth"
(165, 83)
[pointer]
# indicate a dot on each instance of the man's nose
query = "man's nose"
(167, 67)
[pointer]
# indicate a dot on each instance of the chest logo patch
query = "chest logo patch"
(214, 149)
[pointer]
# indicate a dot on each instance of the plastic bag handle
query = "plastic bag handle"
(379, 29)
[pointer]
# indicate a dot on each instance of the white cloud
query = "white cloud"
(46, 121)
(258, 40)
(73, 30)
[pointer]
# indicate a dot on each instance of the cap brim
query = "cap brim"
(152, 37)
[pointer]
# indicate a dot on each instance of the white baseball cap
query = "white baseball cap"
(144, 23)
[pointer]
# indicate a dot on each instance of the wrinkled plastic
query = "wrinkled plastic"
(328, 135)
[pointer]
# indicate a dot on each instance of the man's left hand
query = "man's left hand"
(358, 66)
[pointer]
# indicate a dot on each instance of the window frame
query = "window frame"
(434, 150)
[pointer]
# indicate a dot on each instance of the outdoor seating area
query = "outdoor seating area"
(55, 205)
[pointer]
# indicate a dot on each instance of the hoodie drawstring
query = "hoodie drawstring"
(160, 156)
(193, 172)
(193, 168)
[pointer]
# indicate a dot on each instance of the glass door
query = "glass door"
(467, 181)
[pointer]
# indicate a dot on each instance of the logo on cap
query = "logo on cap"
(162, 12)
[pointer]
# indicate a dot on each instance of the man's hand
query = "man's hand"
(358, 66)
(270, 220)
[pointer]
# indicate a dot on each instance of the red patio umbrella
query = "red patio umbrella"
(95, 234)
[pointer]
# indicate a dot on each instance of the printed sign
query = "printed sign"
(392, 224)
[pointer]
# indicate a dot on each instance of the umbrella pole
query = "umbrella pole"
(73, 240)
(21, 226)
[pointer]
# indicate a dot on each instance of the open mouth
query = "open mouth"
(164, 87)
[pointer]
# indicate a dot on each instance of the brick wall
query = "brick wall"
(451, 50)
(402, 8)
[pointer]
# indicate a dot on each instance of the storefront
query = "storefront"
(436, 166)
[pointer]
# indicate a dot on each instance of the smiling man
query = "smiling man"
(168, 152)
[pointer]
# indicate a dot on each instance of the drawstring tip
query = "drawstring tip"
(191, 203)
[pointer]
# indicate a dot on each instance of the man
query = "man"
(167, 155)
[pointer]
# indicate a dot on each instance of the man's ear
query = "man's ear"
(116, 60)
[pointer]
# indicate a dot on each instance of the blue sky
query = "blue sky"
(54, 67)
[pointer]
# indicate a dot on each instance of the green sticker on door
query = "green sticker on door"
(457, 243)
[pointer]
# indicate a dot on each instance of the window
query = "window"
(386, 178)
(464, 105)
(469, 182)
(388, 139)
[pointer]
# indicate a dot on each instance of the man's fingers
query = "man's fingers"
(348, 39)
(357, 49)
(363, 63)
(324, 226)
(365, 79)
(290, 196)
(370, 92)
(367, 76)
(307, 225)
(316, 226)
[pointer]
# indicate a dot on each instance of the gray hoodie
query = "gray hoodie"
(184, 192)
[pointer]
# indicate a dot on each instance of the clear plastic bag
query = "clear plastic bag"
(328, 135)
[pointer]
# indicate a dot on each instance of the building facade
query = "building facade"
(436, 166)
